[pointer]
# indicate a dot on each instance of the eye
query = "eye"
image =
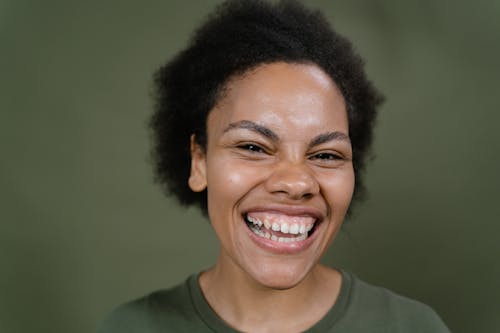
(326, 156)
(252, 148)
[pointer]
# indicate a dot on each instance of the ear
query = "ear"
(198, 177)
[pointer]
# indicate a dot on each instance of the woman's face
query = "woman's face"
(278, 171)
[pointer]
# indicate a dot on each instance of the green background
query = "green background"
(84, 228)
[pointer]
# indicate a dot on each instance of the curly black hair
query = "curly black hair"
(238, 36)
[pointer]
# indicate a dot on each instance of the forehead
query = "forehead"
(273, 93)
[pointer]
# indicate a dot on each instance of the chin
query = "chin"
(281, 276)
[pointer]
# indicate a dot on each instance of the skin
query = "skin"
(277, 141)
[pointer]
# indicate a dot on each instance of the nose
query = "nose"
(295, 181)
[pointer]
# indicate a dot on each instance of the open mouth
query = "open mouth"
(281, 228)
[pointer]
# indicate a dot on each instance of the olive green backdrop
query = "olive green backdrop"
(84, 228)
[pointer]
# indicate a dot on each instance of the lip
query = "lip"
(281, 247)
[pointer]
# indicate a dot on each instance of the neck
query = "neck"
(247, 305)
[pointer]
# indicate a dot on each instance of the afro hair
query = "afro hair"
(237, 37)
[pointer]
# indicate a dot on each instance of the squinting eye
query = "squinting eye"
(326, 156)
(251, 147)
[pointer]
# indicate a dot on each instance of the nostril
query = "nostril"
(300, 195)
(294, 195)
(307, 195)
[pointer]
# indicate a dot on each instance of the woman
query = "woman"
(264, 122)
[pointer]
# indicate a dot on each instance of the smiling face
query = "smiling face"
(278, 171)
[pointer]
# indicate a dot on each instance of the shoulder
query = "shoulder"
(392, 312)
(163, 310)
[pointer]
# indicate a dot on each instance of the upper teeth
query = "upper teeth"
(284, 227)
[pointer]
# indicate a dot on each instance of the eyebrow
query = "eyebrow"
(268, 133)
(327, 137)
(250, 125)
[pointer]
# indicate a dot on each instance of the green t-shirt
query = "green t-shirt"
(360, 307)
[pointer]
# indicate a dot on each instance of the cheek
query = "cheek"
(228, 181)
(339, 190)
